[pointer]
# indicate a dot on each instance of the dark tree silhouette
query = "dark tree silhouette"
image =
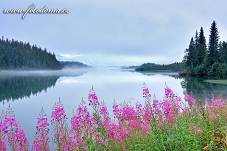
(201, 48)
(202, 62)
(213, 45)
(190, 54)
(16, 54)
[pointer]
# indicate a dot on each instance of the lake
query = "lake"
(28, 92)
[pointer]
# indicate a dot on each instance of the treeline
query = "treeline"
(157, 67)
(202, 60)
(20, 55)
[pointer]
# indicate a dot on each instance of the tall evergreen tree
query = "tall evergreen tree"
(223, 52)
(196, 39)
(213, 45)
(201, 48)
(190, 53)
(195, 50)
(201, 61)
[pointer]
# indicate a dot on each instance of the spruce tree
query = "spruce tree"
(195, 50)
(201, 48)
(196, 39)
(213, 45)
(190, 53)
(223, 52)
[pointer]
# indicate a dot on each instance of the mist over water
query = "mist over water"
(64, 72)
(29, 91)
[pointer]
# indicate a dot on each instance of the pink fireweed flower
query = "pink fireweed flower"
(170, 117)
(21, 140)
(1, 124)
(58, 113)
(81, 119)
(2, 143)
(189, 98)
(124, 132)
(58, 119)
(146, 92)
(83, 126)
(41, 141)
(118, 112)
(103, 110)
(134, 124)
(9, 121)
(139, 109)
(167, 106)
(145, 127)
(15, 134)
(169, 110)
(147, 113)
(104, 115)
(99, 139)
(65, 141)
(93, 99)
(186, 110)
(118, 133)
(157, 108)
(129, 112)
(169, 93)
(215, 102)
(71, 143)
(178, 100)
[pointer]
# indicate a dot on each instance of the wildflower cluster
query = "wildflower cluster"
(14, 134)
(2, 143)
(41, 141)
(168, 124)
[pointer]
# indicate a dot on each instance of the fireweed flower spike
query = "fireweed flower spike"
(93, 99)
(58, 115)
(82, 124)
(146, 93)
(15, 134)
(189, 99)
(58, 119)
(2, 142)
(41, 142)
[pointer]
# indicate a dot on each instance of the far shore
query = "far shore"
(221, 82)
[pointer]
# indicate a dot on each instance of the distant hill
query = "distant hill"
(157, 67)
(129, 67)
(73, 64)
(20, 55)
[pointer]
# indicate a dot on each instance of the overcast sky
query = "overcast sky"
(115, 32)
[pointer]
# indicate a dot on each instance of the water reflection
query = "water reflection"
(18, 87)
(202, 90)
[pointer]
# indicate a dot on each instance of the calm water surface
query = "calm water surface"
(28, 92)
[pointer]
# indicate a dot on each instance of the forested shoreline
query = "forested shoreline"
(174, 67)
(206, 60)
(202, 59)
(21, 55)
